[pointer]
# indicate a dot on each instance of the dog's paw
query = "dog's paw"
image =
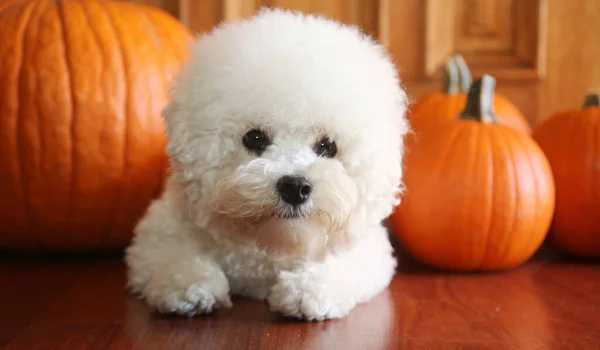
(191, 301)
(308, 300)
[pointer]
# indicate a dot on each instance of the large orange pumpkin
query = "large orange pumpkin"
(479, 195)
(571, 141)
(82, 84)
(438, 107)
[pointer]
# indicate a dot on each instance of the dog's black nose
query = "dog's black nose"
(294, 190)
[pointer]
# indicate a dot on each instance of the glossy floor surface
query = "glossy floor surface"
(81, 303)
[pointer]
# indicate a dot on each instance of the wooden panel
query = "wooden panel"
(201, 16)
(364, 13)
(439, 34)
(531, 25)
(544, 53)
(483, 26)
(499, 37)
(573, 54)
(419, 31)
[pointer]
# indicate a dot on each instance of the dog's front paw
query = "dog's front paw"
(302, 298)
(191, 301)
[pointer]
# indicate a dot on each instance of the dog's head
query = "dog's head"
(286, 131)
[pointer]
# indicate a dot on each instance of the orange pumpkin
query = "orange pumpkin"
(82, 84)
(439, 107)
(479, 195)
(571, 141)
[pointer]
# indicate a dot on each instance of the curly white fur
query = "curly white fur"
(220, 227)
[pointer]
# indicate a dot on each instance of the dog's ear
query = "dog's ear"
(180, 143)
(194, 147)
(180, 150)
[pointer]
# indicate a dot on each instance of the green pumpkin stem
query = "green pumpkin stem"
(451, 78)
(464, 73)
(480, 101)
(592, 99)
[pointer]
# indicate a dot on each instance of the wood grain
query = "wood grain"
(573, 55)
(544, 53)
(201, 16)
(484, 25)
(81, 303)
(439, 24)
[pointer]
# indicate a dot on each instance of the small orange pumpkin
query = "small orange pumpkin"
(479, 195)
(571, 141)
(82, 84)
(441, 106)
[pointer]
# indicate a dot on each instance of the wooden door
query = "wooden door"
(545, 54)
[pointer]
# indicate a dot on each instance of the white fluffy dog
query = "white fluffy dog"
(286, 141)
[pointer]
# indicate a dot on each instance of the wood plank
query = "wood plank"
(35, 283)
(547, 303)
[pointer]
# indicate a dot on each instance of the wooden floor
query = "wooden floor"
(80, 303)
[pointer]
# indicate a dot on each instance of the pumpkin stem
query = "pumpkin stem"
(464, 73)
(480, 101)
(451, 78)
(592, 99)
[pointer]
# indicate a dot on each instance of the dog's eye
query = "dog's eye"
(256, 141)
(326, 148)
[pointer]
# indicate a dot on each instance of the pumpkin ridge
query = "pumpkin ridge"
(161, 43)
(542, 190)
(524, 146)
(19, 127)
(437, 172)
(490, 137)
(595, 187)
(92, 30)
(113, 233)
(164, 37)
(60, 11)
(112, 222)
(591, 193)
(451, 144)
(38, 155)
(102, 241)
(183, 48)
(446, 159)
(26, 193)
(502, 256)
(573, 138)
(149, 15)
(472, 163)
